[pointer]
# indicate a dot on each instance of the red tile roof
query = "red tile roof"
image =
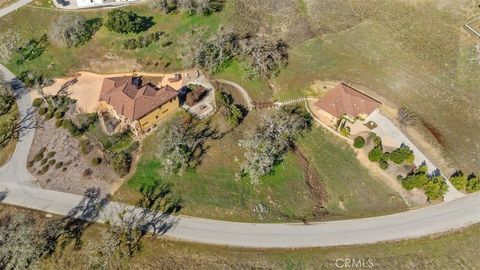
(133, 98)
(344, 99)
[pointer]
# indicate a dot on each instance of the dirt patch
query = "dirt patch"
(312, 179)
(69, 170)
(435, 132)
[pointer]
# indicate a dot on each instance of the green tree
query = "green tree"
(402, 154)
(121, 162)
(359, 142)
(459, 181)
(375, 154)
(121, 21)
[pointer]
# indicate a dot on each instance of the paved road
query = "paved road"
(22, 191)
(385, 128)
(13, 7)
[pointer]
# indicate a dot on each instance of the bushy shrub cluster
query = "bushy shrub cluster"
(34, 48)
(142, 41)
(121, 21)
(433, 186)
(470, 183)
(200, 7)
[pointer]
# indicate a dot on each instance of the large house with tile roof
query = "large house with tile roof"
(138, 101)
(347, 102)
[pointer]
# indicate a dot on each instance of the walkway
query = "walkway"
(243, 92)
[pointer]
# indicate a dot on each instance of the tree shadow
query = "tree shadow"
(73, 225)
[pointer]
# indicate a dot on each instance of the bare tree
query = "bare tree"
(8, 44)
(70, 30)
(19, 243)
(275, 134)
(407, 117)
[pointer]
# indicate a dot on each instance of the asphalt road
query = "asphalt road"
(17, 188)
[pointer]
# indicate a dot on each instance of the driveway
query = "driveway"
(393, 136)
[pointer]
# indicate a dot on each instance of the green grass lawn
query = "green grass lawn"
(352, 190)
(212, 190)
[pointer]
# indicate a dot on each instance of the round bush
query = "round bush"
(38, 157)
(42, 111)
(51, 162)
(51, 154)
(49, 116)
(59, 114)
(44, 161)
(58, 165)
(37, 102)
(42, 150)
(59, 123)
(359, 142)
(383, 164)
(30, 163)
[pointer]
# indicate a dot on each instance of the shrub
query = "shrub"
(402, 154)
(473, 183)
(375, 154)
(49, 115)
(44, 169)
(459, 181)
(59, 114)
(38, 157)
(383, 164)
(359, 142)
(34, 48)
(51, 154)
(58, 165)
(121, 163)
(42, 150)
(377, 140)
(85, 146)
(121, 21)
(433, 186)
(71, 127)
(42, 111)
(59, 123)
(44, 161)
(37, 102)
(51, 162)
(30, 163)
(142, 41)
(96, 161)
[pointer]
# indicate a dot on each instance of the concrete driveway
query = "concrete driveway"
(393, 136)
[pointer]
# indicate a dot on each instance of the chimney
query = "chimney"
(137, 81)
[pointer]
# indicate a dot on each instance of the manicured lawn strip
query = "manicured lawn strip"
(347, 182)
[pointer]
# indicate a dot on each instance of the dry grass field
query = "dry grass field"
(433, 252)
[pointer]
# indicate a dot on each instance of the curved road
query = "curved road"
(17, 188)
